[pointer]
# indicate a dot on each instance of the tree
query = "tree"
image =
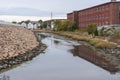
(92, 29)
(40, 21)
(21, 22)
(44, 25)
(27, 22)
(64, 25)
(57, 25)
(14, 22)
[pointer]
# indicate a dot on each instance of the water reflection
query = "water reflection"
(4, 77)
(91, 56)
(58, 63)
(56, 42)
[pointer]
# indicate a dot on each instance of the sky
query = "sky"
(18, 10)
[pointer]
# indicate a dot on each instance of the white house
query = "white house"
(24, 25)
(31, 25)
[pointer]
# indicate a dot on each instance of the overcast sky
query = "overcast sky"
(43, 8)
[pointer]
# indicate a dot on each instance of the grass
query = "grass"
(117, 35)
(100, 43)
(73, 35)
(97, 42)
(83, 36)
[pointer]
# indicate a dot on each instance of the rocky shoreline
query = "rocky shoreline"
(17, 45)
(15, 40)
(29, 55)
(115, 52)
(112, 55)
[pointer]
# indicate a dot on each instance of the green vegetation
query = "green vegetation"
(57, 25)
(74, 35)
(43, 25)
(83, 36)
(21, 22)
(14, 22)
(73, 27)
(92, 30)
(27, 22)
(116, 35)
(40, 21)
(102, 31)
(65, 26)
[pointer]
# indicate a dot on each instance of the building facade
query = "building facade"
(107, 14)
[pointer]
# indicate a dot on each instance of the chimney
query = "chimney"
(113, 0)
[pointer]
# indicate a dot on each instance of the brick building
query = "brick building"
(103, 15)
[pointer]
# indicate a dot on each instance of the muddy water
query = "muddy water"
(62, 60)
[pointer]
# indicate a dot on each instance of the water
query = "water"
(58, 63)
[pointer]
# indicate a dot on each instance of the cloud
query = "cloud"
(10, 18)
(27, 12)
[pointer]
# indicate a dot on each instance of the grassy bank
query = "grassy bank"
(83, 36)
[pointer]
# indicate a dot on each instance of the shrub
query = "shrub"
(92, 29)
(65, 26)
(102, 31)
(116, 35)
(73, 27)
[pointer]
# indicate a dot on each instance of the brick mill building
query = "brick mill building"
(107, 14)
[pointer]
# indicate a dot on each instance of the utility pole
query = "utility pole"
(51, 15)
(51, 23)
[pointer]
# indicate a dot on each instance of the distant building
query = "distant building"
(31, 25)
(23, 24)
(50, 23)
(107, 14)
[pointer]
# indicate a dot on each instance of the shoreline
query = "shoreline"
(112, 54)
(17, 60)
(17, 45)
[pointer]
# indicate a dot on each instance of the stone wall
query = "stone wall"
(15, 41)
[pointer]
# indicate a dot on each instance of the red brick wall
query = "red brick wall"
(73, 17)
(105, 14)
(99, 15)
(70, 17)
(115, 13)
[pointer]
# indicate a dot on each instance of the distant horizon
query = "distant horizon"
(10, 18)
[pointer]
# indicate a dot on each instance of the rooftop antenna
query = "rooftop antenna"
(51, 15)
(51, 21)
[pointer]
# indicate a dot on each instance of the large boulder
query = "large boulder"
(15, 40)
